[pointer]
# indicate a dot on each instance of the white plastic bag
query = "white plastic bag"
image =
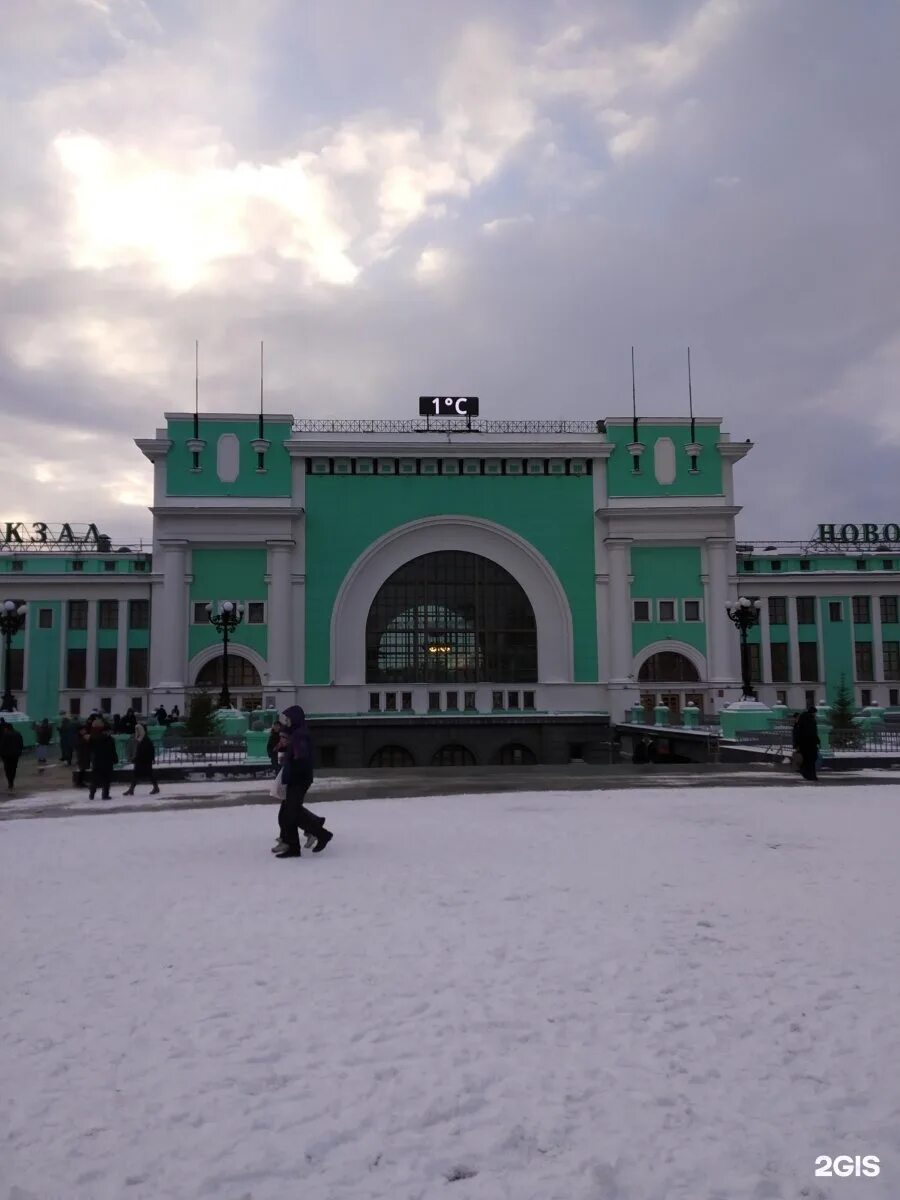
(277, 788)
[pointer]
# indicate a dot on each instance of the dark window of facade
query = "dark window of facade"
(390, 701)
(667, 610)
(805, 564)
(749, 564)
(496, 699)
(865, 665)
(140, 564)
(434, 701)
(18, 564)
(199, 615)
(77, 564)
(692, 610)
(45, 618)
(809, 660)
(835, 610)
(668, 666)
(16, 680)
(865, 697)
(862, 610)
(137, 667)
(137, 704)
(809, 698)
(452, 617)
(781, 666)
(469, 701)
(754, 658)
(776, 564)
(453, 756)
(392, 756)
(76, 668)
(891, 655)
(528, 700)
(241, 673)
(641, 610)
(106, 667)
(75, 706)
(777, 610)
(452, 701)
(406, 701)
(107, 614)
(106, 704)
(781, 697)
(78, 614)
(515, 755)
(887, 564)
(806, 610)
(374, 701)
(139, 614)
(512, 700)
(256, 612)
(894, 697)
(889, 610)
(109, 565)
(860, 564)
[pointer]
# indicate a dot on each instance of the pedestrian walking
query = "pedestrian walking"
(144, 754)
(11, 746)
(129, 722)
(104, 757)
(44, 735)
(806, 741)
(82, 755)
(272, 743)
(297, 777)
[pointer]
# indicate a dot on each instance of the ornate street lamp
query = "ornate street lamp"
(11, 619)
(225, 621)
(745, 614)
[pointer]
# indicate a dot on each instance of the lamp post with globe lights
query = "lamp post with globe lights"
(745, 615)
(11, 620)
(225, 621)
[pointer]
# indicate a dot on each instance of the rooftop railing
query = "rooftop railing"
(444, 425)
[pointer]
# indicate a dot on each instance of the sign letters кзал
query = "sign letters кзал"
(16, 533)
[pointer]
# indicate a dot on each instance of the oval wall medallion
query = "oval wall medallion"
(228, 457)
(664, 460)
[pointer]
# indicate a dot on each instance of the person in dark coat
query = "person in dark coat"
(175, 714)
(82, 755)
(297, 776)
(272, 743)
(129, 722)
(11, 746)
(806, 740)
(144, 754)
(160, 715)
(104, 757)
(66, 740)
(43, 733)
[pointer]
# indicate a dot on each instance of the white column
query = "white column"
(877, 651)
(721, 637)
(618, 627)
(170, 618)
(279, 636)
(793, 642)
(90, 678)
(765, 652)
(122, 648)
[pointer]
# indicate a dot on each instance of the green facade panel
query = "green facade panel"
(623, 482)
(837, 646)
(182, 480)
(42, 661)
(667, 573)
(344, 516)
(226, 574)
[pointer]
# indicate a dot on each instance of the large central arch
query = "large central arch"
(553, 617)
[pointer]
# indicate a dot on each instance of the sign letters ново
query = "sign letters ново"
(448, 406)
(16, 533)
(868, 534)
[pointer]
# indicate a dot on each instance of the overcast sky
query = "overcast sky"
(487, 196)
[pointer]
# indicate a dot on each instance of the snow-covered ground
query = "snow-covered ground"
(637, 995)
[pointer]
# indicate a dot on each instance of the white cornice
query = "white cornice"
(734, 450)
(240, 418)
(227, 507)
(154, 448)
(663, 511)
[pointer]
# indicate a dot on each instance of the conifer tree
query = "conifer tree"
(201, 719)
(844, 734)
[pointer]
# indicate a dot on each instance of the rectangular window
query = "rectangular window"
(434, 701)
(137, 704)
(754, 657)
(805, 564)
(140, 564)
(781, 662)
(887, 564)
(891, 657)
(860, 564)
(889, 610)
(390, 701)
(496, 700)
(749, 565)
(641, 610)
(781, 697)
(18, 564)
(45, 618)
(406, 701)
(667, 610)
(256, 612)
(77, 564)
(806, 610)
(776, 564)
(470, 701)
(139, 615)
(528, 701)
(865, 697)
(16, 670)
(835, 610)
(692, 610)
(809, 698)
(864, 660)
(778, 610)
(452, 701)
(76, 668)
(512, 700)
(109, 565)
(862, 610)
(78, 613)
(107, 614)
(75, 706)
(199, 615)
(374, 702)
(894, 697)
(106, 704)
(137, 667)
(106, 667)
(809, 660)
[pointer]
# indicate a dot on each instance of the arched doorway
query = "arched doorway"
(668, 666)
(453, 756)
(451, 617)
(514, 754)
(392, 756)
(244, 682)
(665, 678)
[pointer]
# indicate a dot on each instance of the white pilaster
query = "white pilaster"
(90, 679)
(720, 632)
(765, 652)
(793, 640)
(618, 626)
(122, 647)
(280, 634)
(170, 618)
(877, 651)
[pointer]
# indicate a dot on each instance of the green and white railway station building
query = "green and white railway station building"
(496, 593)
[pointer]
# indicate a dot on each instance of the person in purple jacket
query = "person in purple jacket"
(297, 776)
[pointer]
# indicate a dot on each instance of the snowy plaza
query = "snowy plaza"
(686, 994)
